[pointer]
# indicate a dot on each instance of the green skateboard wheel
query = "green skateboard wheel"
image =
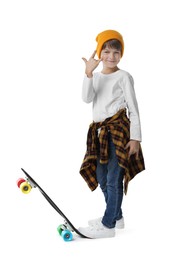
(60, 229)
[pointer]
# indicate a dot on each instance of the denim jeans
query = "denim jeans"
(110, 179)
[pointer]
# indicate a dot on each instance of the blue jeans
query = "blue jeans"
(110, 179)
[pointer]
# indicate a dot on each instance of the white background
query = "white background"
(43, 126)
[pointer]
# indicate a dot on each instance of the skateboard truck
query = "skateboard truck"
(30, 182)
(68, 225)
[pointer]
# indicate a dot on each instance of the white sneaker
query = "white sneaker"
(119, 223)
(97, 231)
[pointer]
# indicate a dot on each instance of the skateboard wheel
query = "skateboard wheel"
(19, 181)
(60, 229)
(66, 235)
(25, 187)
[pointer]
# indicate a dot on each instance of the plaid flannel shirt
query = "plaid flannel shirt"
(119, 127)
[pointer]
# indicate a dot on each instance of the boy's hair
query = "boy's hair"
(113, 44)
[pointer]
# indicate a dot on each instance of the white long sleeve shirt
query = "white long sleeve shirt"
(109, 93)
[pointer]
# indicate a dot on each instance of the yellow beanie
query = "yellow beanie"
(106, 36)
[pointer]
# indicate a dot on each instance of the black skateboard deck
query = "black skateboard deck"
(66, 229)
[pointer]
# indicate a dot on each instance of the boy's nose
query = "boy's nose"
(111, 55)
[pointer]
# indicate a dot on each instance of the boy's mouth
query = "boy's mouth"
(111, 61)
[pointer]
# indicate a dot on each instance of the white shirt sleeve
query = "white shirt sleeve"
(131, 101)
(88, 92)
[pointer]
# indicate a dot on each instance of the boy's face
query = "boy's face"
(110, 57)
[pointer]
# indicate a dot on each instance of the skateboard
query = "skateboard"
(65, 230)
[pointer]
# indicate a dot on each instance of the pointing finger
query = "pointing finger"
(93, 55)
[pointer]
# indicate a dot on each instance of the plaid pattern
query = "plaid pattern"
(119, 127)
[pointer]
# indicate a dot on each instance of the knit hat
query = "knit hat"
(106, 36)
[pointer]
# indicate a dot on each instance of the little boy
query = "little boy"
(113, 153)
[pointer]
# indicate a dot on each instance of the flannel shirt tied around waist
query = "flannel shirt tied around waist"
(119, 127)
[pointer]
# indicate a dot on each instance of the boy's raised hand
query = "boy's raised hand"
(91, 65)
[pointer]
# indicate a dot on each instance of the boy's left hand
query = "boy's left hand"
(133, 147)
